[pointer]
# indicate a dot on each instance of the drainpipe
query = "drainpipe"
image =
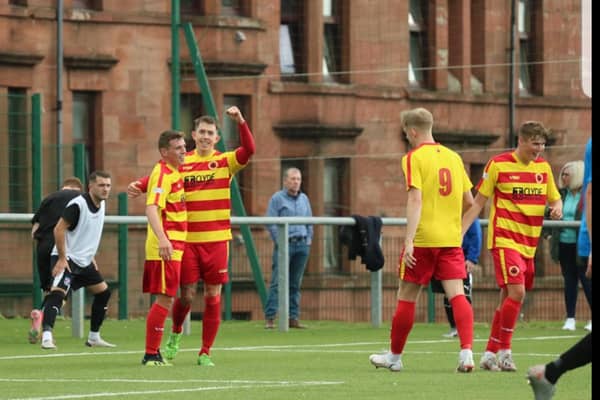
(511, 77)
(59, 94)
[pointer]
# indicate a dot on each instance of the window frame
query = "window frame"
(418, 59)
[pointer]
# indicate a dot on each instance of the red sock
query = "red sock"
(155, 324)
(463, 316)
(403, 321)
(210, 322)
(493, 344)
(179, 312)
(508, 321)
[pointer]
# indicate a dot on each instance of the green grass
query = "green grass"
(328, 361)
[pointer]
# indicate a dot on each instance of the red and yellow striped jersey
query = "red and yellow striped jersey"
(207, 182)
(165, 190)
(519, 195)
(440, 175)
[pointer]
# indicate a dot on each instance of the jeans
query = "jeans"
(298, 253)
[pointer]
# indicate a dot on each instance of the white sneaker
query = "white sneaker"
(48, 344)
(465, 361)
(99, 343)
(452, 334)
(505, 361)
(569, 324)
(588, 326)
(382, 361)
(489, 362)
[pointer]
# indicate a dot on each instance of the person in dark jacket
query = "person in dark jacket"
(42, 231)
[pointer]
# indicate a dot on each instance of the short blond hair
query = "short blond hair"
(417, 118)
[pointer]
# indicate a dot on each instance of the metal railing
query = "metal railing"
(376, 277)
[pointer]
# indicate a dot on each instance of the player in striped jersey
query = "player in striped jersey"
(207, 175)
(438, 191)
(165, 240)
(520, 183)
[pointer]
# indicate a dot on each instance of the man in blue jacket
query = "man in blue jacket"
(289, 202)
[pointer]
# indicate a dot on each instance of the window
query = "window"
(95, 5)
(22, 3)
(18, 160)
(234, 7)
(530, 74)
(478, 52)
(231, 140)
(291, 40)
(190, 109)
(332, 41)
(418, 42)
(191, 7)
(335, 201)
(84, 117)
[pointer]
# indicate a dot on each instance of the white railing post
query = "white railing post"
(376, 298)
(283, 277)
(77, 306)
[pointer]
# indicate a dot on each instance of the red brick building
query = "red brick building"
(321, 82)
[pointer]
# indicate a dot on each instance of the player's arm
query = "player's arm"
(60, 239)
(137, 187)
(556, 209)
(473, 211)
(247, 146)
(165, 248)
(414, 204)
(34, 229)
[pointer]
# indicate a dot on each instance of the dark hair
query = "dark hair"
(73, 181)
(207, 119)
(96, 174)
(166, 137)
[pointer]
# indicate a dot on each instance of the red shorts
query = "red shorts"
(441, 263)
(205, 262)
(512, 268)
(161, 277)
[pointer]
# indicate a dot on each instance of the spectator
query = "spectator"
(563, 242)
(289, 202)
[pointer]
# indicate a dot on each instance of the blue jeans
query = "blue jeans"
(298, 252)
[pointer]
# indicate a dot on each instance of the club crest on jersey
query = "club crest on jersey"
(539, 178)
(213, 165)
(513, 270)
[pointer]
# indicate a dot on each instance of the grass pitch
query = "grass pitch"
(327, 361)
